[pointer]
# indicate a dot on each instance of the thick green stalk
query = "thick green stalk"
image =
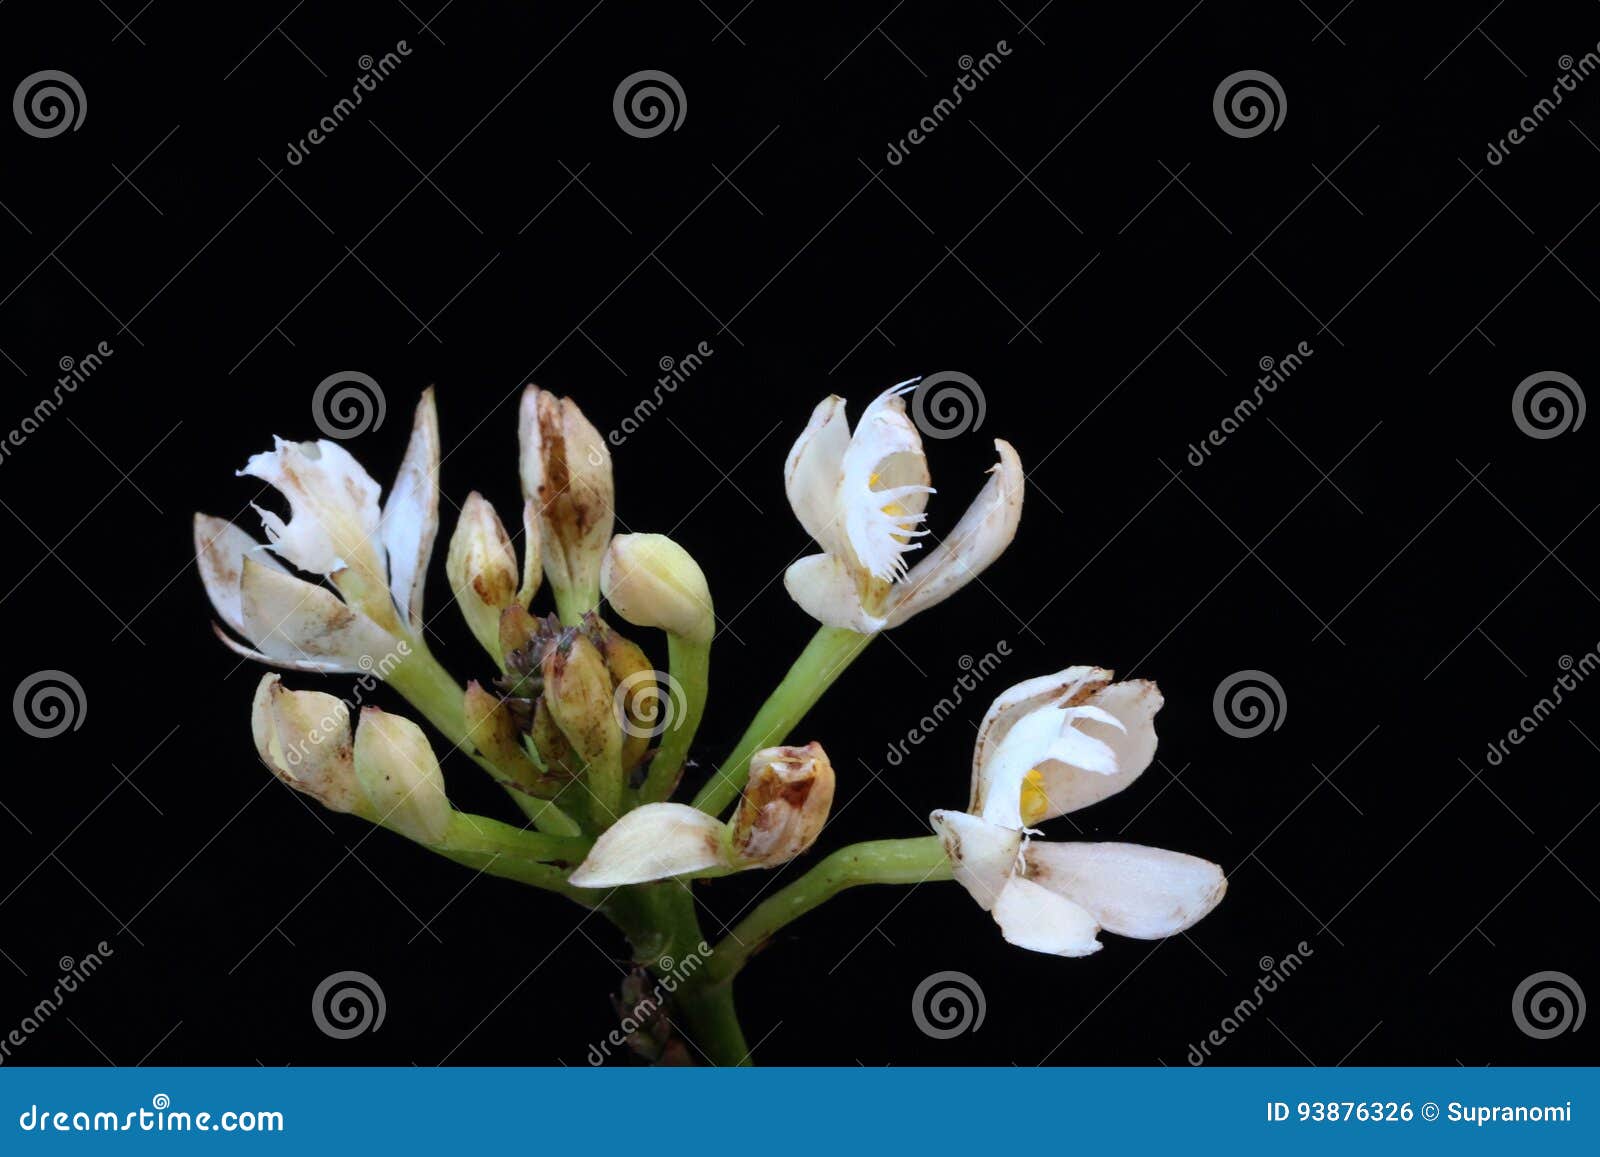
(429, 688)
(475, 833)
(910, 861)
(690, 670)
(829, 652)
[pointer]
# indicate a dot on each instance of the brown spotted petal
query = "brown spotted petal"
(784, 806)
(653, 842)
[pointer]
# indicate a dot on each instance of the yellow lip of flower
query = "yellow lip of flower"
(1035, 803)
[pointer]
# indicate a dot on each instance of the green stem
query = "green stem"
(829, 652)
(572, 604)
(910, 861)
(429, 688)
(499, 849)
(690, 669)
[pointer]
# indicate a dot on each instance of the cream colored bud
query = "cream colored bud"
(651, 581)
(304, 737)
(566, 471)
(493, 730)
(581, 700)
(482, 567)
(401, 777)
(784, 805)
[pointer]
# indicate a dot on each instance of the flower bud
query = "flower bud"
(482, 567)
(566, 473)
(637, 695)
(579, 696)
(784, 805)
(493, 730)
(651, 843)
(401, 777)
(304, 737)
(651, 581)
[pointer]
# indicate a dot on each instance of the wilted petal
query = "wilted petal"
(784, 805)
(566, 468)
(825, 589)
(333, 504)
(651, 843)
(1038, 919)
(295, 623)
(983, 533)
(1145, 893)
(401, 776)
(304, 737)
(812, 473)
(411, 514)
(220, 549)
(982, 855)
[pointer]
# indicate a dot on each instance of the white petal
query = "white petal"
(998, 785)
(651, 843)
(884, 487)
(982, 855)
(1038, 919)
(220, 549)
(294, 623)
(304, 737)
(335, 525)
(1018, 700)
(825, 590)
(1146, 893)
(411, 514)
(532, 568)
(984, 531)
(1134, 703)
(813, 470)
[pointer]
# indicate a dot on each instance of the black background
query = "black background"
(1081, 238)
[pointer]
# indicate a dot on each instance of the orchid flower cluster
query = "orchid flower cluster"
(590, 740)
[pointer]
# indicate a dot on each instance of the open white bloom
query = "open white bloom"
(1047, 747)
(784, 807)
(375, 557)
(862, 495)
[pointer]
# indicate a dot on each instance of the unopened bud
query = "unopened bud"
(651, 581)
(482, 567)
(493, 730)
(304, 738)
(636, 695)
(784, 806)
(401, 777)
(566, 472)
(579, 696)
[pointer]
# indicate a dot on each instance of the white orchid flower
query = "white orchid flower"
(862, 495)
(1047, 747)
(375, 557)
